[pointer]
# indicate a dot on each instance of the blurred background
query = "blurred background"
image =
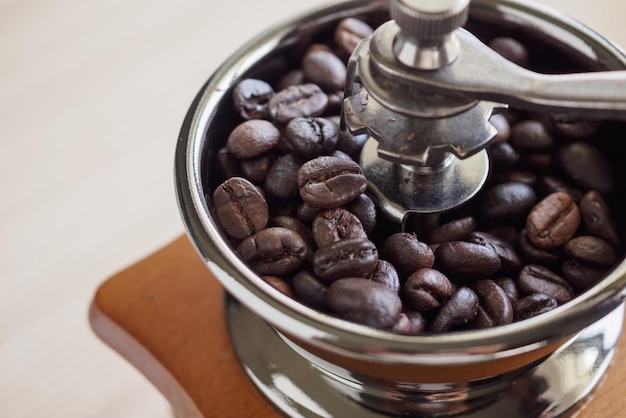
(92, 96)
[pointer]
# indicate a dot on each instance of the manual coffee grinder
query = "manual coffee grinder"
(424, 89)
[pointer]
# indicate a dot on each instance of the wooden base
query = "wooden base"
(165, 315)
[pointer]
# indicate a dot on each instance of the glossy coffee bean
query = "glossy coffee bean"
(507, 203)
(466, 260)
(407, 253)
(310, 290)
(347, 142)
(385, 273)
(548, 184)
(334, 225)
(459, 309)
(456, 230)
(582, 275)
(503, 128)
(531, 135)
(300, 100)
(328, 182)
(364, 208)
(364, 302)
(510, 261)
(256, 168)
(348, 33)
(503, 156)
(574, 127)
(281, 179)
(273, 251)
(553, 221)
(325, 69)
(427, 289)
(586, 166)
(509, 286)
(240, 208)
(511, 49)
(533, 305)
(251, 138)
(279, 284)
(538, 279)
(356, 257)
(495, 307)
(311, 137)
(251, 98)
(591, 250)
(289, 222)
(597, 218)
(531, 254)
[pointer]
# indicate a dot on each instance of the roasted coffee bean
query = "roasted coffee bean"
(540, 162)
(538, 279)
(310, 290)
(417, 322)
(279, 284)
(511, 49)
(406, 253)
(506, 233)
(328, 182)
(509, 286)
(251, 97)
(295, 225)
(503, 128)
(385, 273)
(597, 218)
(348, 33)
(256, 168)
(324, 68)
(300, 100)
(586, 166)
(252, 137)
(227, 164)
(364, 302)
(503, 156)
(273, 251)
(456, 230)
(459, 310)
(356, 257)
(531, 135)
(574, 127)
(402, 325)
(281, 179)
(364, 208)
(582, 275)
(510, 262)
(465, 260)
(240, 208)
(507, 203)
(311, 137)
(553, 221)
(348, 143)
(591, 250)
(516, 176)
(291, 78)
(307, 213)
(334, 225)
(550, 184)
(426, 289)
(533, 305)
(495, 307)
(532, 255)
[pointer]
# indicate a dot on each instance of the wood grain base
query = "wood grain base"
(165, 316)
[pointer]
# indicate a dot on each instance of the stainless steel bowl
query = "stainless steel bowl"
(372, 371)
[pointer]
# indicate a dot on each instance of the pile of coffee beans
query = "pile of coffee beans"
(295, 204)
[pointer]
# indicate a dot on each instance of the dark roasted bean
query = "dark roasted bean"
(324, 68)
(310, 290)
(227, 164)
(348, 33)
(426, 289)
(240, 208)
(355, 257)
(597, 218)
(573, 127)
(334, 225)
(510, 262)
(495, 307)
(538, 279)
(456, 230)
(299, 100)
(273, 251)
(511, 49)
(281, 179)
(251, 97)
(502, 127)
(582, 275)
(295, 225)
(279, 284)
(328, 182)
(465, 260)
(550, 184)
(531, 135)
(507, 203)
(385, 273)
(553, 221)
(533, 305)
(586, 166)
(592, 250)
(509, 286)
(253, 137)
(459, 310)
(311, 137)
(364, 302)
(503, 156)
(407, 253)
(364, 208)
(256, 168)
(291, 78)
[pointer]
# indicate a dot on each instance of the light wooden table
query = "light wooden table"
(92, 95)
